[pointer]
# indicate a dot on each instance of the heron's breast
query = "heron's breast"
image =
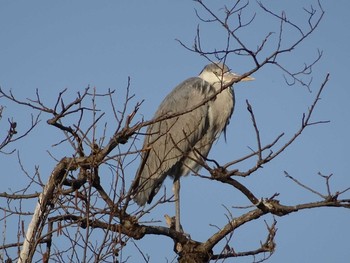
(220, 111)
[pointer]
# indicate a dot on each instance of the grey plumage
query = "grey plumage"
(171, 146)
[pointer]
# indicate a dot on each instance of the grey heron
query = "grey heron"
(174, 145)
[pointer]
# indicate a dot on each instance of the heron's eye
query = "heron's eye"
(217, 73)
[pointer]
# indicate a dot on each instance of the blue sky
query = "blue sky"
(53, 45)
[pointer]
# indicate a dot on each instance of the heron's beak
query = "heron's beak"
(248, 78)
(232, 76)
(229, 76)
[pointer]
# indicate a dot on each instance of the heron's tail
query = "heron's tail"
(146, 184)
(145, 191)
(142, 196)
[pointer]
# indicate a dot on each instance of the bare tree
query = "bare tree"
(87, 202)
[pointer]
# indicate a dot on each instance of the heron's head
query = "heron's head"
(219, 73)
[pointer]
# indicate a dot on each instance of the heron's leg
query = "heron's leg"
(177, 204)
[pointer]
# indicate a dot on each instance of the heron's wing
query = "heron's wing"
(169, 140)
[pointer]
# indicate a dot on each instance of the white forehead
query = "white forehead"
(215, 67)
